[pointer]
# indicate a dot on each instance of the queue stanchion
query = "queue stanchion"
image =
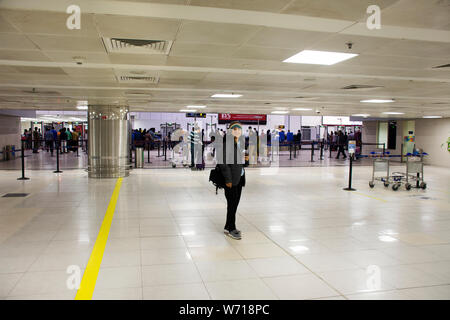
(330, 149)
(159, 147)
(295, 150)
(290, 151)
(148, 152)
(349, 188)
(321, 150)
(165, 150)
(78, 146)
(22, 155)
(312, 151)
(57, 159)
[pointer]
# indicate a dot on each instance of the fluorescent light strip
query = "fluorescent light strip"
(195, 107)
(82, 107)
(226, 95)
(361, 115)
(188, 110)
(378, 101)
(432, 117)
(327, 58)
(280, 112)
(302, 109)
(393, 112)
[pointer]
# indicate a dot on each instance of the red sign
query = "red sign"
(242, 118)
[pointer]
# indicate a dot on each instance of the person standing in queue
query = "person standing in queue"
(233, 172)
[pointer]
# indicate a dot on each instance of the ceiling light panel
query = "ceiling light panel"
(327, 58)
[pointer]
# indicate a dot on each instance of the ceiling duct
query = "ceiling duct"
(140, 46)
(127, 76)
(361, 87)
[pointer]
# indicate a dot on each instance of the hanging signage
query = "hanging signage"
(225, 118)
(195, 115)
(340, 121)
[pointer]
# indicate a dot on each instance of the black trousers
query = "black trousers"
(233, 196)
(341, 150)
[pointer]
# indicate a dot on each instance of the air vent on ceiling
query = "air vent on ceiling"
(361, 87)
(141, 46)
(132, 76)
(442, 66)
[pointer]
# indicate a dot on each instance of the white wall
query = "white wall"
(430, 135)
(10, 131)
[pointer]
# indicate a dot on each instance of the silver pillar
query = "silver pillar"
(109, 136)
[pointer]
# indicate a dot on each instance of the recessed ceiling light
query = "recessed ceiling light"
(361, 115)
(432, 117)
(188, 110)
(320, 57)
(82, 107)
(226, 95)
(389, 112)
(378, 101)
(279, 112)
(195, 107)
(302, 109)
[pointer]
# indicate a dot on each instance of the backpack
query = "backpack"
(217, 179)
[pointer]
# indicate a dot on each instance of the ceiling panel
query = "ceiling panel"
(432, 14)
(24, 55)
(45, 22)
(278, 54)
(68, 56)
(346, 10)
(136, 59)
(67, 43)
(16, 41)
(137, 27)
(215, 33)
(190, 49)
(286, 38)
(255, 5)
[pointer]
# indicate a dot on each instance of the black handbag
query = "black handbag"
(217, 179)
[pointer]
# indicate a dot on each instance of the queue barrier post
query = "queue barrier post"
(349, 188)
(290, 151)
(22, 155)
(165, 150)
(312, 151)
(57, 159)
(321, 150)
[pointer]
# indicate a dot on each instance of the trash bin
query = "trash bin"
(139, 157)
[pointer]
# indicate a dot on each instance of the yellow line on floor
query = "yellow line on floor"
(87, 285)
(365, 195)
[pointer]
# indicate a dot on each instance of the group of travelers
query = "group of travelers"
(66, 139)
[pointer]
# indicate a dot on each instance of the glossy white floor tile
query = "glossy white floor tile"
(303, 237)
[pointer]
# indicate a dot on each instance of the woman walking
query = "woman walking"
(233, 172)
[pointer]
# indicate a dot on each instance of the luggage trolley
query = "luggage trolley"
(414, 173)
(380, 165)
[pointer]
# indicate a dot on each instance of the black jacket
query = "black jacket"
(232, 172)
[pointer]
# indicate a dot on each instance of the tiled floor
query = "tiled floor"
(303, 236)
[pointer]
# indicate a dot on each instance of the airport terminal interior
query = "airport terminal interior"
(112, 115)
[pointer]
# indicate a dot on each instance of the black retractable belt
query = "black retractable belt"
(22, 155)
(57, 159)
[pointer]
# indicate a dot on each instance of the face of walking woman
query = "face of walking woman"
(236, 130)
